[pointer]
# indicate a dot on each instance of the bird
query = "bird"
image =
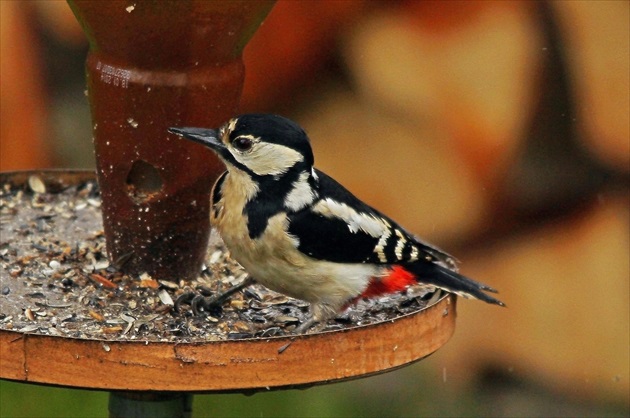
(297, 231)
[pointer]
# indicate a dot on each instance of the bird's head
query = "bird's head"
(259, 144)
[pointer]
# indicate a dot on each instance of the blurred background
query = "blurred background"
(497, 130)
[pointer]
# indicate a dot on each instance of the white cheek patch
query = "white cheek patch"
(356, 221)
(269, 159)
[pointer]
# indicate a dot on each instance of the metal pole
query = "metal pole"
(150, 404)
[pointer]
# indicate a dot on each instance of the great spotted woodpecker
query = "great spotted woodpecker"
(297, 231)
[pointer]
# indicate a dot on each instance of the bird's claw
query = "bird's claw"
(305, 326)
(199, 304)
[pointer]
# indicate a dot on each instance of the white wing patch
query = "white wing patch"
(301, 195)
(380, 247)
(356, 221)
(400, 245)
(414, 254)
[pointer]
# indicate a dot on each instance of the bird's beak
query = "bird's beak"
(207, 137)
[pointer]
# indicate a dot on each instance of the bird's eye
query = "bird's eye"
(242, 143)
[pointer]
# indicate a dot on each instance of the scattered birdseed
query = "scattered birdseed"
(56, 279)
(36, 184)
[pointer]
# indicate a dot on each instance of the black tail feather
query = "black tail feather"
(451, 281)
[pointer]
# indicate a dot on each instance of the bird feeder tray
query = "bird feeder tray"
(46, 301)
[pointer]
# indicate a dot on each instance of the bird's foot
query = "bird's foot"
(305, 326)
(319, 314)
(201, 302)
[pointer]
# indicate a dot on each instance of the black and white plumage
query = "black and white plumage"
(299, 232)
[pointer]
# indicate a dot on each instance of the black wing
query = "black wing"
(341, 228)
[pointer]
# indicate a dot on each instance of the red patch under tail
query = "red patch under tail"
(397, 280)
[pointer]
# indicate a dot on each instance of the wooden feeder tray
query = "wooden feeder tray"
(36, 354)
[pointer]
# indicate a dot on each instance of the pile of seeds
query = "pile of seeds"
(55, 279)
